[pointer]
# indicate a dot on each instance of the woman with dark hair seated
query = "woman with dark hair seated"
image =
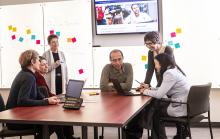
(175, 86)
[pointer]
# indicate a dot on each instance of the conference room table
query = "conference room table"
(106, 110)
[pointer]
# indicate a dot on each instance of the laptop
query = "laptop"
(120, 91)
(73, 89)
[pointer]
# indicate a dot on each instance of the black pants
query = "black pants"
(134, 130)
(58, 83)
(153, 111)
(158, 130)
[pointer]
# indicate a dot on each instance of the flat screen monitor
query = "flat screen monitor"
(126, 16)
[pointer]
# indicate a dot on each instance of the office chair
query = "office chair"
(197, 104)
(5, 132)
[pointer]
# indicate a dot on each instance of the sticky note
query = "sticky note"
(177, 45)
(20, 39)
(14, 29)
(33, 37)
(51, 32)
(28, 31)
(170, 43)
(73, 39)
(178, 30)
(144, 58)
(146, 66)
(58, 33)
(10, 27)
(81, 71)
(37, 41)
(13, 37)
(69, 39)
(173, 34)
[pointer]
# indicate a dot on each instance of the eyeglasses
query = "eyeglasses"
(148, 44)
(115, 60)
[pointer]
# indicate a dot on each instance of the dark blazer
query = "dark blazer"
(151, 66)
(24, 91)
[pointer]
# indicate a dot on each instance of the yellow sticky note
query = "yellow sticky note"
(69, 39)
(178, 30)
(14, 29)
(10, 27)
(28, 31)
(144, 58)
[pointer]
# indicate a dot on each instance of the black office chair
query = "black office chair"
(5, 132)
(197, 104)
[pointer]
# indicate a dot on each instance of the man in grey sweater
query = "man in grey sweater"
(123, 72)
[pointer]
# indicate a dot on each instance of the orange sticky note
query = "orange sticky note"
(28, 31)
(14, 29)
(144, 58)
(10, 27)
(69, 39)
(178, 30)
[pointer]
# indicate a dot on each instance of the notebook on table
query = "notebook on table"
(120, 90)
(73, 89)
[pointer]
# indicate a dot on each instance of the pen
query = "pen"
(138, 81)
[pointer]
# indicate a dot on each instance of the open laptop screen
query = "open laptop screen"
(74, 88)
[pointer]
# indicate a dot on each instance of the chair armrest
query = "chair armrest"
(171, 101)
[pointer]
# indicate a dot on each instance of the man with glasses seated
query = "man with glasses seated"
(123, 72)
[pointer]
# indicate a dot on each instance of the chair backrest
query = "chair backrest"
(2, 104)
(198, 99)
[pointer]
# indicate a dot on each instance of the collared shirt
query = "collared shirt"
(125, 77)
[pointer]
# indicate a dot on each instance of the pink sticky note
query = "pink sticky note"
(173, 34)
(37, 41)
(13, 37)
(73, 39)
(81, 71)
(51, 32)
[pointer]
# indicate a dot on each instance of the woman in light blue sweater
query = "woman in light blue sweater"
(174, 85)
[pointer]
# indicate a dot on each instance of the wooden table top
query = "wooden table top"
(107, 109)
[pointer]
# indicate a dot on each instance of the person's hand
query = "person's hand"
(53, 100)
(145, 86)
(142, 86)
(58, 62)
(141, 90)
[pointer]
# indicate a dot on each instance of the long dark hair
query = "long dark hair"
(166, 62)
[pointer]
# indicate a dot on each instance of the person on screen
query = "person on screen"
(57, 75)
(137, 16)
(175, 86)
(100, 16)
(41, 82)
(123, 72)
(24, 92)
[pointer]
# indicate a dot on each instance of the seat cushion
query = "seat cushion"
(183, 119)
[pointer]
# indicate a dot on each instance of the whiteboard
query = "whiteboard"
(136, 55)
(39, 19)
(15, 21)
(72, 19)
(198, 44)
